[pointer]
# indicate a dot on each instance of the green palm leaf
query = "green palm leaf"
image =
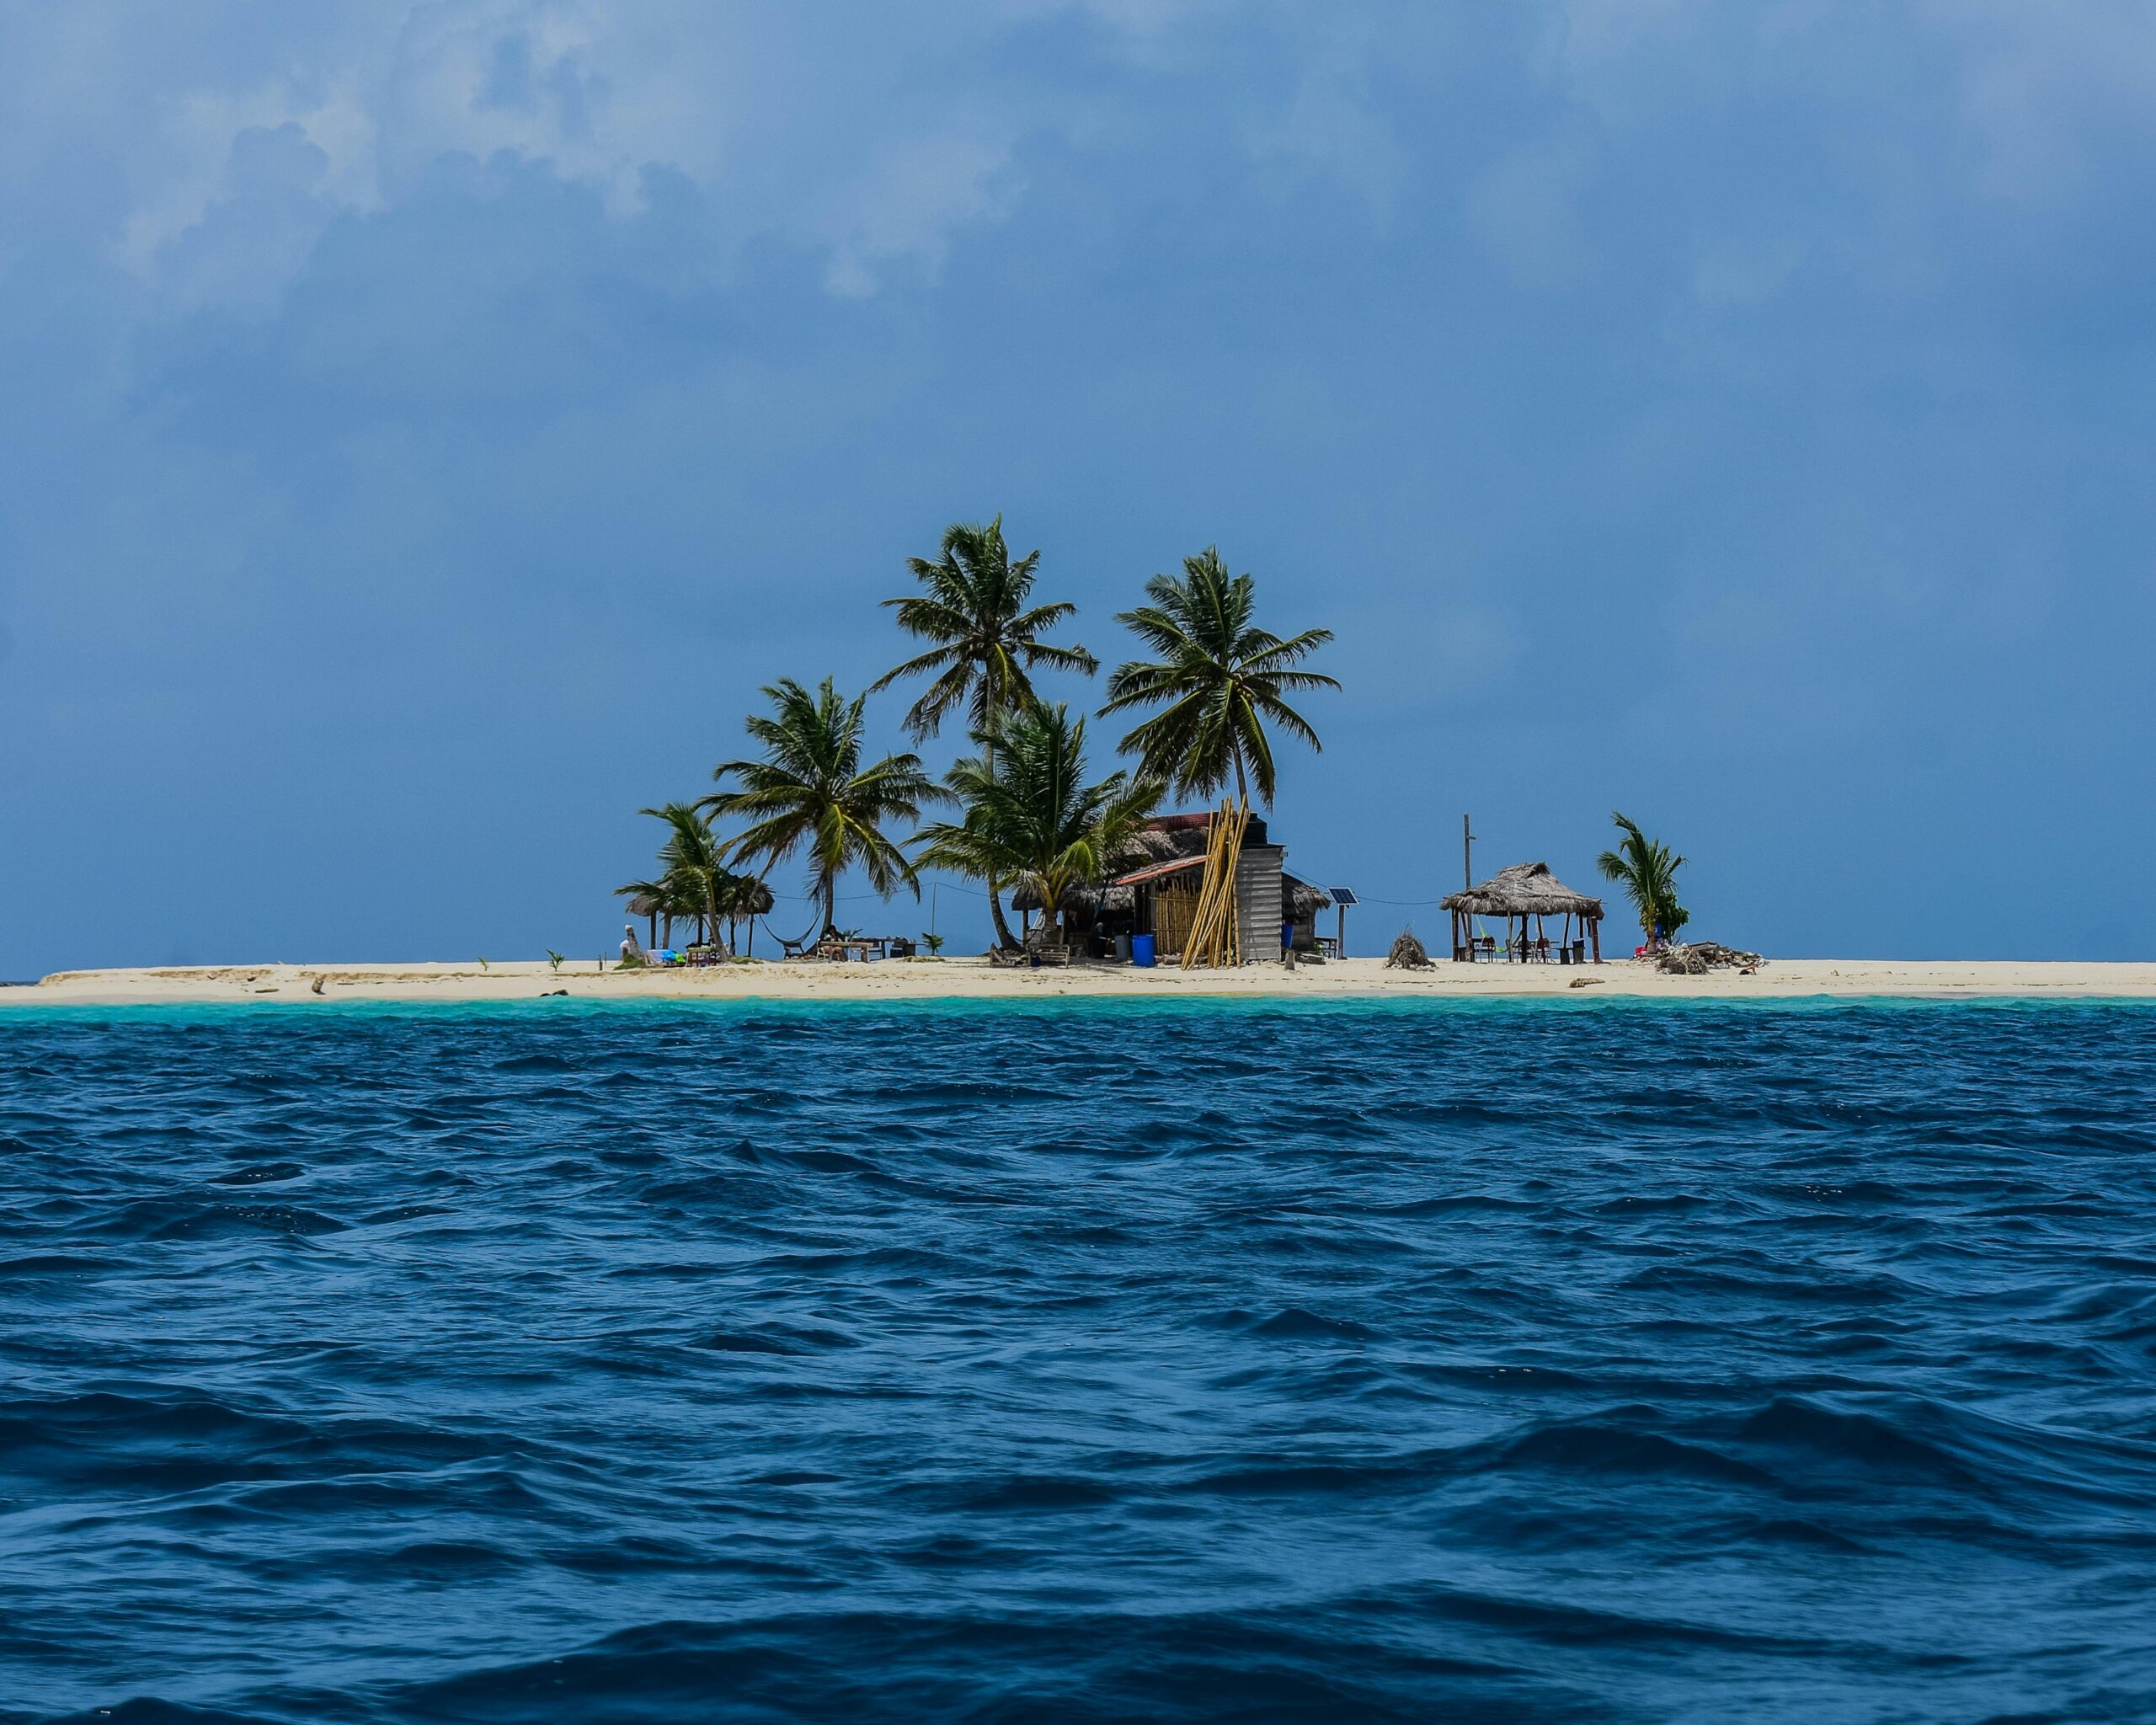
(985, 639)
(1029, 813)
(1219, 681)
(983, 635)
(1646, 868)
(811, 795)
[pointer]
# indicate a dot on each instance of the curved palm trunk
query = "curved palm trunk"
(1003, 938)
(1050, 933)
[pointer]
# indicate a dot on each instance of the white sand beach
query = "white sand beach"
(975, 979)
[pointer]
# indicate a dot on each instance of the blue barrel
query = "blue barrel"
(1287, 936)
(1141, 951)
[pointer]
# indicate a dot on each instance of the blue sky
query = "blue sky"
(427, 425)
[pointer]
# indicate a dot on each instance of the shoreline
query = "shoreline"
(973, 978)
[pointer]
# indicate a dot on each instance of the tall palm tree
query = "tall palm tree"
(1220, 679)
(1029, 813)
(1646, 868)
(986, 640)
(811, 790)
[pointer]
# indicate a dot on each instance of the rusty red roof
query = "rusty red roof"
(1138, 877)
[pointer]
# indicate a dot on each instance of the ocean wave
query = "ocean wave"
(1223, 1362)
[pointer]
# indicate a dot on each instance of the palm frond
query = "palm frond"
(1219, 679)
(973, 606)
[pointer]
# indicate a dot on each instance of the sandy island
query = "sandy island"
(975, 979)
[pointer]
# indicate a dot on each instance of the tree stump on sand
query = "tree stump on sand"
(1407, 953)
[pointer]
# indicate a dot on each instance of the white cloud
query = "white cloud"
(201, 148)
(908, 200)
(842, 134)
(876, 134)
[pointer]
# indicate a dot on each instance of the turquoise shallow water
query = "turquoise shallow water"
(1583, 1360)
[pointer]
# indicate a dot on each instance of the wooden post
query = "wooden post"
(1594, 929)
(1466, 855)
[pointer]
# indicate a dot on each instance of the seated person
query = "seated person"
(630, 948)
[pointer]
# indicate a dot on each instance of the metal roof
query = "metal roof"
(1138, 877)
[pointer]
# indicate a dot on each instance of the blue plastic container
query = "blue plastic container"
(1287, 936)
(1141, 951)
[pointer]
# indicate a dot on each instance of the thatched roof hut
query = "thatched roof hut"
(1300, 901)
(1169, 851)
(1524, 889)
(753, 900)
(756, 900)
(1523, 892)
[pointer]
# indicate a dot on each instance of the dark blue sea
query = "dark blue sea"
(1473, 1362)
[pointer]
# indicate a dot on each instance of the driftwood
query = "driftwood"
(1698, 957)
(1407, 953)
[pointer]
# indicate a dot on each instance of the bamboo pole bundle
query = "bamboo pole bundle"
(1215, 936)
(1194, 941)
(1231, 906)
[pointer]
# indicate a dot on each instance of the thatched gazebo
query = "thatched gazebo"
(1525, 893)
(648, 905)
(745, 899)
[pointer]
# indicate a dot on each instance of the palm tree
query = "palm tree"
(811, 789)
(743, 898)
(1030, 816)
(1220, 678)
(1647, 869)
(696, 878)
(986, 640)
(679, 891)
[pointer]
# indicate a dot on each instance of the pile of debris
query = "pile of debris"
(1701, 956)
(1407, 953)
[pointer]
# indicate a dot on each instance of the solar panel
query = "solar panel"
(1341, 895)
